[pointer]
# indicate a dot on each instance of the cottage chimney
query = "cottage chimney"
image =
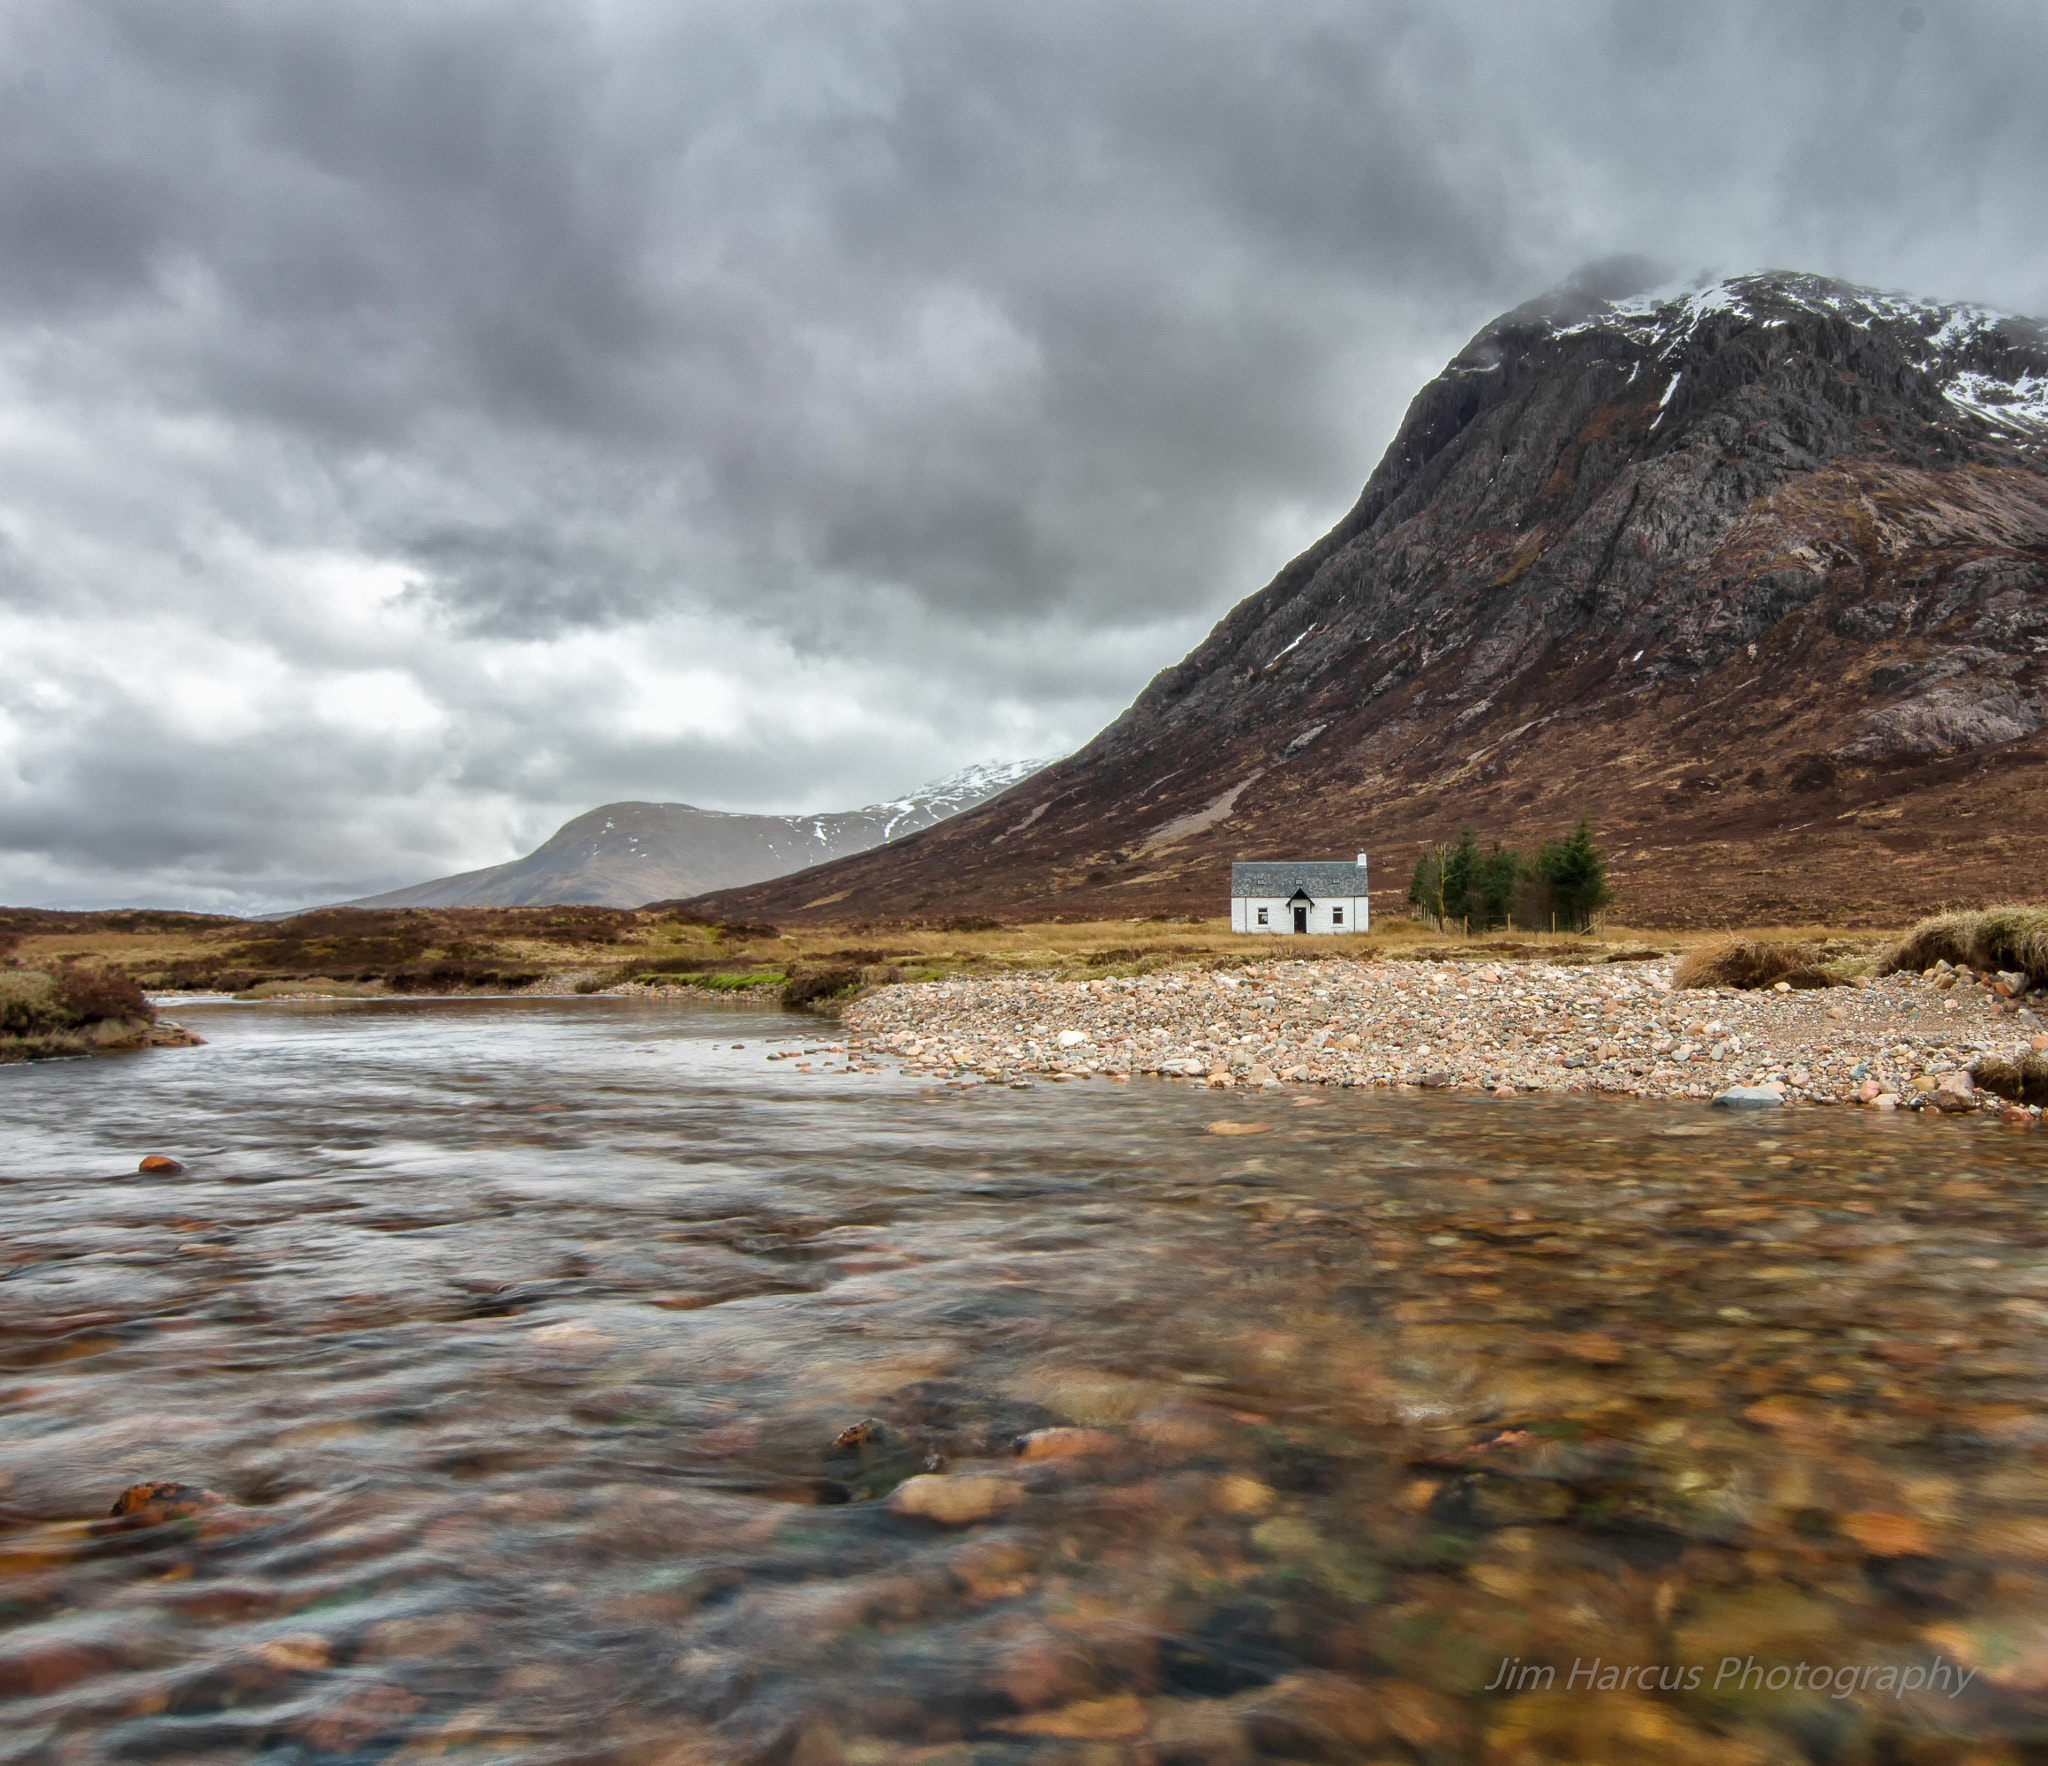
(1361, 861)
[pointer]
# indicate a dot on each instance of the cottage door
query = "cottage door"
(1301, 919)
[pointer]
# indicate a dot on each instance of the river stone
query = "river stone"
(1748, 1097)
(1065, 1443)
(160, 1500)
(954, 1502)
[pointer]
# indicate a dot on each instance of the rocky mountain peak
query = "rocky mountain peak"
(1770, 527)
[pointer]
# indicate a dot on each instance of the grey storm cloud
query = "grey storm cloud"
(422, 421)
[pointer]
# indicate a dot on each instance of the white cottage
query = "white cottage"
(1305, 895)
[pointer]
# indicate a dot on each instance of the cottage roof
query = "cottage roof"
(1282, 877)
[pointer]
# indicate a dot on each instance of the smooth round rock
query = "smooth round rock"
(1748, 1097)
(156, 1165)
(954, 1501)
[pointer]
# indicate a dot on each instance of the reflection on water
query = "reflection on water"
(560, 1360)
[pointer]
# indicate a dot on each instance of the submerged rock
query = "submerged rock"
(870, 1458)
(157, 1165)
(955, 1501)
(150, 1504)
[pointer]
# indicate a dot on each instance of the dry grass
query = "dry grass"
(493, 949)
(1754, 963)
(2012, 937)
(70, 1009)
(2025, 1081)
(1125, 946)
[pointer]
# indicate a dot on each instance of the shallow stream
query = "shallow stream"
(518, 1337)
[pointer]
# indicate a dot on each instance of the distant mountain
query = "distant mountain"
(1753, 573)
(624, 854)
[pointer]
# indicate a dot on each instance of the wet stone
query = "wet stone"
(955, 1501)
(150, 1504)
(1749, 1097)
(1019, 1428)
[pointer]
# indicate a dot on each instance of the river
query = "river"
(561, 1364)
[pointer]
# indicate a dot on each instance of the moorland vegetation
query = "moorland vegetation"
(76, 983)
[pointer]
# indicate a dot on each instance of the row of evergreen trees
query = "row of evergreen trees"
(1563, 888)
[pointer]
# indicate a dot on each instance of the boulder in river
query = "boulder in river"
(1749, 1097)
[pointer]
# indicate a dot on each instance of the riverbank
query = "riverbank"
(1904, 1041)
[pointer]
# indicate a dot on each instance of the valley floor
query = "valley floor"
(1903, 1041)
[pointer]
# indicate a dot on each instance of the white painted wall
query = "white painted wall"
(1355, 910)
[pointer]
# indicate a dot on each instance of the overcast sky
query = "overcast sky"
(423, 420)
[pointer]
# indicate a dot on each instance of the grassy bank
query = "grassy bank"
(70, 1008)
(398, 951)
(49, 961)
(355, 953)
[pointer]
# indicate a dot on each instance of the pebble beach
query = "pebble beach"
(1901, 1042)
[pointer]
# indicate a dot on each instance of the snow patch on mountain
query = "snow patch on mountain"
(624, 854)
(1991, 364)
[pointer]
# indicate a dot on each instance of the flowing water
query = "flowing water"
(530, 1345)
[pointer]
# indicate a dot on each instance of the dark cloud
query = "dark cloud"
(420, 421)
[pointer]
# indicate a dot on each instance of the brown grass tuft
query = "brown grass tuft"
(2012, 936)
(1752, 965)
(2025, 1081)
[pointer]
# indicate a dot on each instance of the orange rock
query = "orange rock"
(1240, 1494)
(1066, 1443)
(1887, 1536)
(954, 1501)
(300, 1652)
(1225, 1126)
(1780, 1411)
(156, 1165)
(1089, 1720)
(2006, 1648)
(148, 1505)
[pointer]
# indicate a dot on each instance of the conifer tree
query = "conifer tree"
(1460, 885)
(1576, 871)
(1500, 873)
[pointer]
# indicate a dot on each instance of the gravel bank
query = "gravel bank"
(1906, 1041)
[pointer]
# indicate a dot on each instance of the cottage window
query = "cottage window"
(1336, 916)
(1262, 916)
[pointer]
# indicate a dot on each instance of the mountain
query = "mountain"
(624, 854)
(1753, 573)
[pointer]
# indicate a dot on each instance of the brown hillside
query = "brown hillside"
(1757, 579)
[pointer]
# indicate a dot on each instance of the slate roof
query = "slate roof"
(1282, 877)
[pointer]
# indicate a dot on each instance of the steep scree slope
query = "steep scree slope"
(1754, 574)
